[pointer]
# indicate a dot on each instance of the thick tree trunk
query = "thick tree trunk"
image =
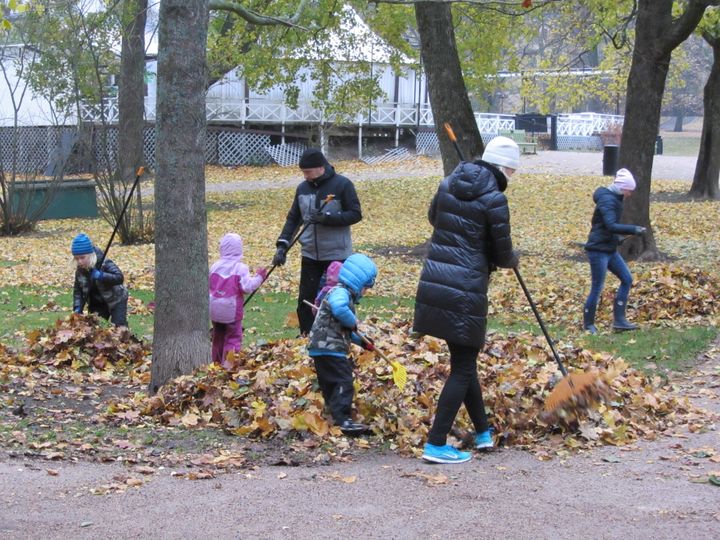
(180, 341)
(657, 34)
(131, 102)
(679, 117)
(448, 95)
(707, 169)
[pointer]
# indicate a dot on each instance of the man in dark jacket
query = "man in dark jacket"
(471, 235)
(327, 238)
(101, 288)
(602, 252)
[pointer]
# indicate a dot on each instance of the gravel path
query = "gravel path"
(558, 163)
(642, 491)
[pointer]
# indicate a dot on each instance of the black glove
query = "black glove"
(640, 230)
(280, 255)
(318, 218)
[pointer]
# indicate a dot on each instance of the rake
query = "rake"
(573, 386)
(326, 200)
(399, 373)
(101, 260)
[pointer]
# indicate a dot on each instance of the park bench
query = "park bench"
(520, 137)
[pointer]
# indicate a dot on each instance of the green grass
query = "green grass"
(266, 320)
(27, 308)
(656, 349)
(680, 146)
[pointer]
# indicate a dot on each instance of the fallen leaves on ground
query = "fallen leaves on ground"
(81, 341)
(271, 391)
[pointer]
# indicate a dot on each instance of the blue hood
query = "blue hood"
(357, 272)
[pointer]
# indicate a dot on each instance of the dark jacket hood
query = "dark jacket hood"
(471, 180)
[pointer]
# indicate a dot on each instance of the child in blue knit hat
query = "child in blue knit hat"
(100, 288)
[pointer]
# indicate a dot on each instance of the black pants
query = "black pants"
(310, 273)
(461, 387)
(117, 315)
(335, 376)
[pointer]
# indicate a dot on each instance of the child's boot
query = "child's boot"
(589, 319)
(350, 428)
(620, 323)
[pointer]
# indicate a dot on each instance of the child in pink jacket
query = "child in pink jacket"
(330, 279)
(229, 280)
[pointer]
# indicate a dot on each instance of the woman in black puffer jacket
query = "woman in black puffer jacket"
(471, 235)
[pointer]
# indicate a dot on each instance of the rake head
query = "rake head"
(399, 374)
(576, 389)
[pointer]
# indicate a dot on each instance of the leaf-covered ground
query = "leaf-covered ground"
(77, 390)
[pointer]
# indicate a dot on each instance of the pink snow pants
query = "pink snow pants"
(226, 338)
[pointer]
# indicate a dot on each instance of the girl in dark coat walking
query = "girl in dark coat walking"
(602, 253)
(471, 235)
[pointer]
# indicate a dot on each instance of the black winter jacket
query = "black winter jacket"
(471, 223)
(109, 291)
(606, 224)
(330, 241)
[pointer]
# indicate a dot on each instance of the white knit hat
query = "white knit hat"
(502, 151)
(624, 180)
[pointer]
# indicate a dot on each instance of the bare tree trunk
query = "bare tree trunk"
(679, 117)
(658, 33)
(131, 103)
(448, 94)
(180, 341)
(707, 169)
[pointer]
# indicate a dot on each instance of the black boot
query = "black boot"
(620, 323)
(589, 319)
(350, 428)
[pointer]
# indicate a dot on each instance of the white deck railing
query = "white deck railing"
(266, 111)
(586, 124)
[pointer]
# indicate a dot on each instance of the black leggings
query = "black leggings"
(461, 387)
(310, 273)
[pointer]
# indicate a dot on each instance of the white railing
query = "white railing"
(494, 123)
(586, 124)
(260, 110)
(268, 111)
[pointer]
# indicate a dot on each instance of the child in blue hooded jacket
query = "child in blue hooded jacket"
(335, 327)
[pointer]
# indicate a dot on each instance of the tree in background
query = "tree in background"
(707, 168)
(659, 31)
(323, 41)
(131, 120)
(688, 72)
(448, 94)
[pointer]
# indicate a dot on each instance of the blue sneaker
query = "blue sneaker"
(484, 440)
(444, 454)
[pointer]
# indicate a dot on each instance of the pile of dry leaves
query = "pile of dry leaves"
(662, 295)
(81, 341)
(271, 392)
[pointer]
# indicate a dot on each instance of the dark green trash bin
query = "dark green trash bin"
(69, 199)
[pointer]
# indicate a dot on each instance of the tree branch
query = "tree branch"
(256, 18)
(684, 25)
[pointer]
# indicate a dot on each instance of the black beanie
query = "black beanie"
(311, 158)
